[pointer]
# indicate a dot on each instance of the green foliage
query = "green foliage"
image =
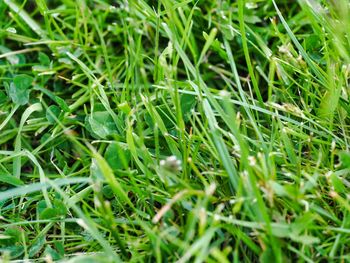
(19, 89)
(174, 131)
(100, 124)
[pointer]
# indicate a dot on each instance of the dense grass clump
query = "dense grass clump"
(174, 130)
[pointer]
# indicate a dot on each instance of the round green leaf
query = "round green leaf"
(52, 113)
(19, 89)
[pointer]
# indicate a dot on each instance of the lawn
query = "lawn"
(174, 131)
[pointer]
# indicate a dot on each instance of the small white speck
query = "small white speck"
(224, 93)
(171, 163)
(216, 217)
(333, 146)
(251, 5)
(171, 158)
(211, 189)
(252, 160)
(328, 174)
(81, 223)
(11, 30)
(97, 202)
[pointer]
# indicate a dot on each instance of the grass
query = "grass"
(174, 131)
